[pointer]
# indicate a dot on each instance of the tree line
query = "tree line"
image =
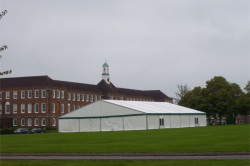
(218, 99)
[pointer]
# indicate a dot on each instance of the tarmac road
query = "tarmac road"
(126, 156)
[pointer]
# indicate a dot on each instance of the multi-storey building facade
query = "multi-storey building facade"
(40, 100)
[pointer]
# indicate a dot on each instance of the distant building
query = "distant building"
(242, 119)
(40, 100)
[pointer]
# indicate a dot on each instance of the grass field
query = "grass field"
(128, 163)
(224, 138)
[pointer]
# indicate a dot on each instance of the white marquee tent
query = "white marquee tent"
(117, 115)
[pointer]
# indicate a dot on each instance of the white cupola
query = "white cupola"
(105, 72)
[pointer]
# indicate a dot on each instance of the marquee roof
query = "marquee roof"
(118, 108)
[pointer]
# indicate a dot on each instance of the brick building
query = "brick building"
(40, 100)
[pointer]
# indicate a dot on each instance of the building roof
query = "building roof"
(102, 86)
(116, 108)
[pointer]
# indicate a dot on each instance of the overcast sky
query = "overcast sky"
(149, 44)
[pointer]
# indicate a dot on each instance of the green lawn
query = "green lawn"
(127, 163)
(224, 138)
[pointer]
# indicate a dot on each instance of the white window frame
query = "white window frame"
(29, 94)
(54, 93)
(62, 108)
(7, 93)
(22, 122)
(36, 108)
(43, 122)
(69, 96)
(58, 94)
(78, 96)
(23, 94)
(36, 94)
(53, 108)
(36, 121)
(43, 94)
(15, 94)
(22, 108)
(73, 96)
(82, 95)
(43, 107)
(14, 122)
(54, 122)
(29, 122)
(14, 108)
(29, 108)
(62, 94)
(87, 97)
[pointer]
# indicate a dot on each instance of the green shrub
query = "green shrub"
(7, 131)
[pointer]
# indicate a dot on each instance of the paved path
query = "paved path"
(125, 156)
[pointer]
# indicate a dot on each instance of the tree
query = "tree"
(182, 90)
(247, 88)
(217, 99)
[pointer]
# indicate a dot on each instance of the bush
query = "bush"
(7, 131)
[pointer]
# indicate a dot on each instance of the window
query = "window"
(36, 108)
(43, 122)
(161, 120)
(43, 107)
(36, 122)
(22, 122)
(36, 93)
(54, 93)
(62, 108)
(14, 122)
(111, 97)
(14, 94)
(53, 107)
(91, 98)
(29, 108)
(54, 122)
(1, 108)
(22, 108)
(74, 108)
(23, 94)
(100, 97)
(196, 121)
(78, 96)
(82, 97)
(7, 94)
(121, 98)
(69, 96)
(62, 94)
(14, 108)
(73, 96)
(68, 107)
(58, 94)
(87, 97)
(95, 97)
(43, 93)
(1, 95)
(29, 93)
(29, 122)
